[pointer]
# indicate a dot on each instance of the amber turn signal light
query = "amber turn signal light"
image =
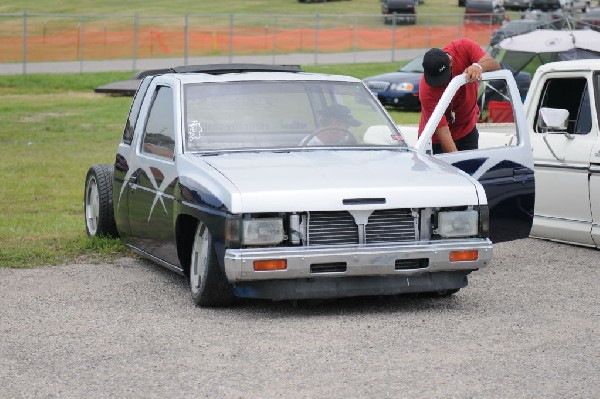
(461, 256)
(267, 265)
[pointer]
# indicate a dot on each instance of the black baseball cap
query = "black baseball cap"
(436, 67)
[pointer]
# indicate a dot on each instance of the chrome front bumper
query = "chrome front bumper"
(360, 260)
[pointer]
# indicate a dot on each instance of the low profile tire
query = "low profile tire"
(98, 202)
(208, 283)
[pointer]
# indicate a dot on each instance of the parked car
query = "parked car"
(488, 12)
(516, 27)
(263, 181)
(550, 19)
(589, 20)
(516, 5)
(564, 5)
(401, 89)
(399, 11)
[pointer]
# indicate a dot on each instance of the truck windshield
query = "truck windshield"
(284, 114)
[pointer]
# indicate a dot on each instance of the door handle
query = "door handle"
(522, 173)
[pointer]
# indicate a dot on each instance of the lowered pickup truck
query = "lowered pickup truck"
(260, 181)
(562, 108)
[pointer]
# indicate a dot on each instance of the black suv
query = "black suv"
(400, 11)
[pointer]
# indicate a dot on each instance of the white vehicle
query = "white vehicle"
(268, 182)
(562, 108)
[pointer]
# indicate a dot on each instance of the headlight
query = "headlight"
(458, 223)
(402, 86)
(262, 231)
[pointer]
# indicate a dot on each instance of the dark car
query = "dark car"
(488, 12)
(514, 28)
(550, 5)
(399, 89)
(399, 11)
(516, 5)
(590, 20)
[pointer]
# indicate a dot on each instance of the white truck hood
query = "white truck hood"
(322, 180)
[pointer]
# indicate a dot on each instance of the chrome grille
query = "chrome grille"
(391, 225)
(378, 86)
(332, 228)
(384, 226)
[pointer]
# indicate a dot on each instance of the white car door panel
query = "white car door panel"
(562, 208)
(505, 172)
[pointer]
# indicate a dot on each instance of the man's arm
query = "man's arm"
(485, 64)
(446, 141)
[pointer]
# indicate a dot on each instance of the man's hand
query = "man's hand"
(485, 64)
(473, 73)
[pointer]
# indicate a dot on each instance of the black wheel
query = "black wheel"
(330, 135)
(208, 283)
(98, 202)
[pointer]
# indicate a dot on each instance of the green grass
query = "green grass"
(53, 128)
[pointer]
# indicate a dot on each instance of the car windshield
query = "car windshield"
(284, 114)
(416, 65)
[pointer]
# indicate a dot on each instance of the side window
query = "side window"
(159, 133)
(571, 94)
(134, 111)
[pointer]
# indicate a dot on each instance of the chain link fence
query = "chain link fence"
(33, 38)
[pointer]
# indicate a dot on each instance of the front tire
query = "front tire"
(98, 202)
(208, 283)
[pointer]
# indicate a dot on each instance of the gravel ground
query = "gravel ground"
(526, 327)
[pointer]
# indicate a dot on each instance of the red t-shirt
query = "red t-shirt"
(464, 53)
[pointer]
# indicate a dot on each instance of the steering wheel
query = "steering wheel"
(330, 135)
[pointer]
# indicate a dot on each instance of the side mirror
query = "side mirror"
(555, 119)
(552, 119)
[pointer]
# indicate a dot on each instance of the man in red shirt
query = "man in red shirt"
(456, 130)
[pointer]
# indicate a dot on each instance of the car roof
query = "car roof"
(583, 65)
(187, 78)
(241, 72)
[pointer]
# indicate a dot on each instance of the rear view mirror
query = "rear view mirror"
(555, 119)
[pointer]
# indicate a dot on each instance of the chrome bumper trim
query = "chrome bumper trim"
(361, 260)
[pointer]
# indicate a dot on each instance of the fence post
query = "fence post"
(354, 38)
(231, 27)
(428, 32)
(135, 42)
(275, 29)
(394, 38)
(186, 39)
(81, 45)
(25, 43)
(317, 23)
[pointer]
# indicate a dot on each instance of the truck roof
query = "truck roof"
(584, 65)
(258, 76)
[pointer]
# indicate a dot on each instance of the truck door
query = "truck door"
(595, 162)
(503, 164)
(153, 175)
(562, 158)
